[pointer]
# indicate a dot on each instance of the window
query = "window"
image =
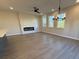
(61, 20)
(51, 21)
(44, 21)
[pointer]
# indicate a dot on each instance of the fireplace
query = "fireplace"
(28, 28)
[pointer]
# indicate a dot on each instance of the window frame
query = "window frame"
(52, 22)
(62, 20)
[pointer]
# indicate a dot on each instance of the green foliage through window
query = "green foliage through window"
(61, 21)
(51, 21)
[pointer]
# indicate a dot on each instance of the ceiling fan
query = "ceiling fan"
(36, 10)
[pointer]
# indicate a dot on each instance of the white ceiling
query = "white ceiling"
(45, 6)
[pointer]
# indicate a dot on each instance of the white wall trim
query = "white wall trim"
(63, 36)
(13, 34)
(22, 34)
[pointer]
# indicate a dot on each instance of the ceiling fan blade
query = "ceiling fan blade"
(38, 12)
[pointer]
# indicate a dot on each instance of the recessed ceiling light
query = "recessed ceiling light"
(77, 1)
(11, 8)
(52, 9)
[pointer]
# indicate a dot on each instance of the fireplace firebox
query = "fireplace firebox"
(28, 28)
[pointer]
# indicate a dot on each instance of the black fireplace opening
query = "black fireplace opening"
(28, 28)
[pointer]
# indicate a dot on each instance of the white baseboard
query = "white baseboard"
(21, 34)
(63, 36)
(13, 34)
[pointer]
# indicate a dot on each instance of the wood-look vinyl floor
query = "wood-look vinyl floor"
(39, 46)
